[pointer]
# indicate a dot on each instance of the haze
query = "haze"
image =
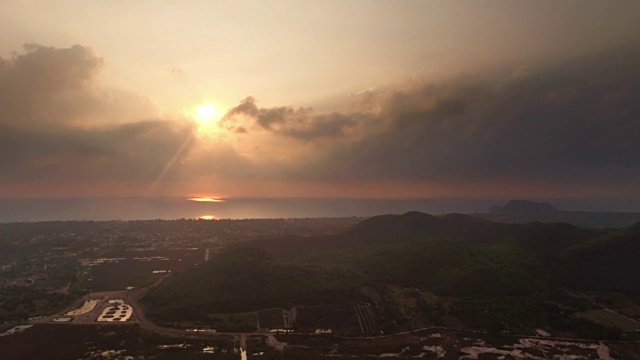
(366, 99)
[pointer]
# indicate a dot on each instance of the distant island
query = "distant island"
(525, 211)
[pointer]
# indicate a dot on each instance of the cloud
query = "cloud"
(299, 123)
(59, 123)
(569, 124)
(47, 86)
(177, 73)
(562, 124)
(132, 152)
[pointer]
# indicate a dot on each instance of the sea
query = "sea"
(145, 208)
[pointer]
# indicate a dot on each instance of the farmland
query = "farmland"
(366, 320)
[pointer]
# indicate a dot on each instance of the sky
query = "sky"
(364, 99)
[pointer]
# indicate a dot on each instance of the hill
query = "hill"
(608, 263)
(387, 230)
(417, 269)
(246, 279)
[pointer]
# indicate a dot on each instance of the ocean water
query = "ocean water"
(45, 209)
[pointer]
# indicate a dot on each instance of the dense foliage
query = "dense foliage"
(248, 279)
(484, 275)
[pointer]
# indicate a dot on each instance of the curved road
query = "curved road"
(132, 298)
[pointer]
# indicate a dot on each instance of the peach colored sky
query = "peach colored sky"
(355, 99)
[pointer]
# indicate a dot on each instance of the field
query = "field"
(610, 318)
(366, 320)
(271, 319)
(136, 268)
(238, 322)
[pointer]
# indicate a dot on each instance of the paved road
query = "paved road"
(132, 297)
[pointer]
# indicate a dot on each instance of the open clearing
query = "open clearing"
(136, 269)
(611, 318)
(85, 308)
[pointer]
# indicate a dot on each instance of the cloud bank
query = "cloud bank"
(569, 125)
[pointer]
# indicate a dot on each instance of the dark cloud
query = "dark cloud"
(57, 123)
(332, 125)
(573, 122)
(298, 123)
(130, 152)
(47, 86)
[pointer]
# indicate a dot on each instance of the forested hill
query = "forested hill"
(453, 256)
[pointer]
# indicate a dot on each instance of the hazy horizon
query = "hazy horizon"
(170, 208)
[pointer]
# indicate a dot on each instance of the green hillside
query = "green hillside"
(417, 270)
(247, 279)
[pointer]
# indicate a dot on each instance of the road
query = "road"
(132, 297)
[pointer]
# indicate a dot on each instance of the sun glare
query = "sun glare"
(205, 199)
(207, 113)
(207, 118)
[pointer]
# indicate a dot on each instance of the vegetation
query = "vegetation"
(97, 342)
(611, 319)
(480, 274)
(247, 279)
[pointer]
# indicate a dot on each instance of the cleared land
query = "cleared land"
(611, 318)
(85, 308)
(139, 268)
(366, 320)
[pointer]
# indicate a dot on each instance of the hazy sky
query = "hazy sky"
(320, 98)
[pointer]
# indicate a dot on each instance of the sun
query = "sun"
(207, 117)
(207, 114)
